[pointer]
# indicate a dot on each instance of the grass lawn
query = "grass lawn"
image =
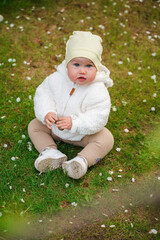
(32, 43)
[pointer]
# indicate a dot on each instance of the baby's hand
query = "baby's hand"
(49, 119)
(64, 123)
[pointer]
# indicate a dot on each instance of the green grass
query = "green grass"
(124, 39)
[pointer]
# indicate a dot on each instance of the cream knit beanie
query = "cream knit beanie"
(84, 44)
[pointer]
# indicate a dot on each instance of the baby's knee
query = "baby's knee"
(32, 125)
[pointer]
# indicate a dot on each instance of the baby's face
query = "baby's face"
(81, 70)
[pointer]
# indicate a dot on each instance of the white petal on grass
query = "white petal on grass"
(110, 172)
(5, 145)
(154, 54)
(18, 99)
(22, 200)
(23, 136)
(159, 178)
(131, 225)
(109, 179)
(119, 176)
(153, 231)
(103, 226)
(118, 149)
(13, 158)
(133, 180)
(154, 94)
(112, 226)
(74, 204)
(102, 27)
(126, 130)
(153, 109)
(1, 18)
(28, 78)
(130, 73)
(153, 77)
(100, 174)
(115, 190)
(67, 185)
(114, 109)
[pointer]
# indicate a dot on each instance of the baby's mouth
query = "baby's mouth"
(81, 79)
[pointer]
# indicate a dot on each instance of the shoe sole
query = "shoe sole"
(73, 169)
(49, 164)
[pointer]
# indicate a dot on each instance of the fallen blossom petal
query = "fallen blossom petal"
(126, 130)
(133, 180)
(118, 149)
(18, 99)
(119, 176)
(22, 200)
(153, 109)
(154, 231)
(114, 109)
(130, 73)
(112, 226)
(67, 185)
(159, 178)
(103, 226)
(115, 190)
(100, 174)
(74, 204)
(5, 145)
(154, 54)
(110, 172)
(28, 78)
(131, 225)
(1, 18)
(13, 158)
(109, 178)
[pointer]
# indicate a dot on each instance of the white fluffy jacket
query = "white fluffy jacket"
(89, 106)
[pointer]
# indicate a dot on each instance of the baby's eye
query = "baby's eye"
(88, 65)
(76, 64)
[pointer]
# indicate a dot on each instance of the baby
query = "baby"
(73, 105)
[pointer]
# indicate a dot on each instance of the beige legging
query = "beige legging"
(95, 146)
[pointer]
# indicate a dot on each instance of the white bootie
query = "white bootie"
(75, 168)
(49, 159)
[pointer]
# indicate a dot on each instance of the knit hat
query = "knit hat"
(84, 44)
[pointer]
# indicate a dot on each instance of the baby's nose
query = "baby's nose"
(82, 70)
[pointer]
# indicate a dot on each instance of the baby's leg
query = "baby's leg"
(96, 146)
(50, 158)
(40, 135)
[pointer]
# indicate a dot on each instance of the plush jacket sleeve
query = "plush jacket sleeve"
(44, 100)
(94, 115)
